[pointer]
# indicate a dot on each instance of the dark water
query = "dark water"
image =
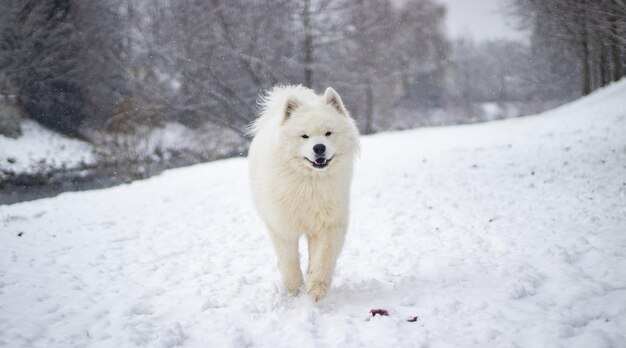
(27, 188)
(17, 193)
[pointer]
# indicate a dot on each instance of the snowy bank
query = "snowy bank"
(39, 149)
(510, 233)
(41, 163)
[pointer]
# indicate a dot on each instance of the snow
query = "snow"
(41, 149)
(493, 111)
(510, 233)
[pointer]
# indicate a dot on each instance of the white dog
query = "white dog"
(301, 163)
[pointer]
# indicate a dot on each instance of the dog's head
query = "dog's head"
(319, 133)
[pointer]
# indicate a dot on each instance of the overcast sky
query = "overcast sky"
(482, 19)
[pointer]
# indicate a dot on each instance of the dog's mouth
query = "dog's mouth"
(320, 162)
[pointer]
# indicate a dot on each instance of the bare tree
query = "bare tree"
(39, 56)
(595, 31)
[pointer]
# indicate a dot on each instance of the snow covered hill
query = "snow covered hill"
(506, 234)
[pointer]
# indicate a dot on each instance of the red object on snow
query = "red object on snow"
(381, 312)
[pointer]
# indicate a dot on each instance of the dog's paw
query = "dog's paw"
(317, 290)
(293, 286)
(292, 290)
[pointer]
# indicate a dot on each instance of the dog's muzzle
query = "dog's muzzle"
(320, 162)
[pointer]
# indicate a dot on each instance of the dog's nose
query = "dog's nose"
(319, 148)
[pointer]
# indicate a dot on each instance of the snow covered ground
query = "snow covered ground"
(39, 149)
(505, 234)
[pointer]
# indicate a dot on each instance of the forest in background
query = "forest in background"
(111, 71)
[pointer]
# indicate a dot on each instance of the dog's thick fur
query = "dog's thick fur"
(298, 189)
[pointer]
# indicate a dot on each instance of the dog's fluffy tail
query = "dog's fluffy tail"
(272, 104)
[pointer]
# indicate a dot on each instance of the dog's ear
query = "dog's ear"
(332, 98)
(291, 105)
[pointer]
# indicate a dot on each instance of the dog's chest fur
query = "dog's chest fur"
(312, 204)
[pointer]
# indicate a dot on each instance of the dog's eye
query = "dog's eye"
(305, 136)
(328, 133)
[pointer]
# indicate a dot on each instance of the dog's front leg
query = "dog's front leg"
(286, 247)
(324, 249)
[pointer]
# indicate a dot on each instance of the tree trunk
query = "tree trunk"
(503, 92)
(369, 107)
(604, 66)
(618, 71)
(308, 45)
(585, 63)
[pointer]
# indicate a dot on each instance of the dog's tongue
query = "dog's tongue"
(320, 160)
